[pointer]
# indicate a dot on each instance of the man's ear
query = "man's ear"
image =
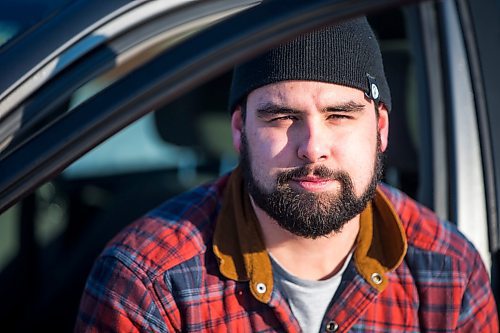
(383, 126)
(237, 127)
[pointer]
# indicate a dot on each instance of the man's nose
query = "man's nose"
(314, 145)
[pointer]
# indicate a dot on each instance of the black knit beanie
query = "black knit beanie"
(346, 53)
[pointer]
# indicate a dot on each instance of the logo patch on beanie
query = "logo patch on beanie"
(373, 92)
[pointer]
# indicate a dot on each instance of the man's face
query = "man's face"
(310, 152)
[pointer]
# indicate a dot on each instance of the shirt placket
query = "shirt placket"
(283, 312)
(347, 308)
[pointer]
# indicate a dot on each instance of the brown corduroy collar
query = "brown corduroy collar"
(239, 247)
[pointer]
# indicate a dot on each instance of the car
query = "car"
(109, 108)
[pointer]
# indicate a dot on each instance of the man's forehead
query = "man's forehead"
(286, 91)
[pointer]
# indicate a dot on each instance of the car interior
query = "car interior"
(49, 241)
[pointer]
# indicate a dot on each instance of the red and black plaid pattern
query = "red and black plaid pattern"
(160, 275)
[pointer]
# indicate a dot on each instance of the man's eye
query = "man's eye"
(339, 116)
(283, 118)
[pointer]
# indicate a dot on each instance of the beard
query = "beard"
(307, 214)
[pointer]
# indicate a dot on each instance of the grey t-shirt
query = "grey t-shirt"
(308, 299)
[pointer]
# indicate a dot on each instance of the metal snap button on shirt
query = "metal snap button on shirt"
(376, 278)
(332, 326)
(261, 288)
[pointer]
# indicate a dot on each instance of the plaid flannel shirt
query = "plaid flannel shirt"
(161, 275)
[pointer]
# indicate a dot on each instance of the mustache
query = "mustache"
(318, 171)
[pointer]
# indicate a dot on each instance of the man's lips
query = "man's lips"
(312, 183)
(313, 179)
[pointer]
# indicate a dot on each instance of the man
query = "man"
(300, 236)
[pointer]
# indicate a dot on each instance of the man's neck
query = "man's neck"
(310, 259)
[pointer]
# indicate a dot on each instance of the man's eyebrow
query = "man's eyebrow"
(345, 107)
(271, 109)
